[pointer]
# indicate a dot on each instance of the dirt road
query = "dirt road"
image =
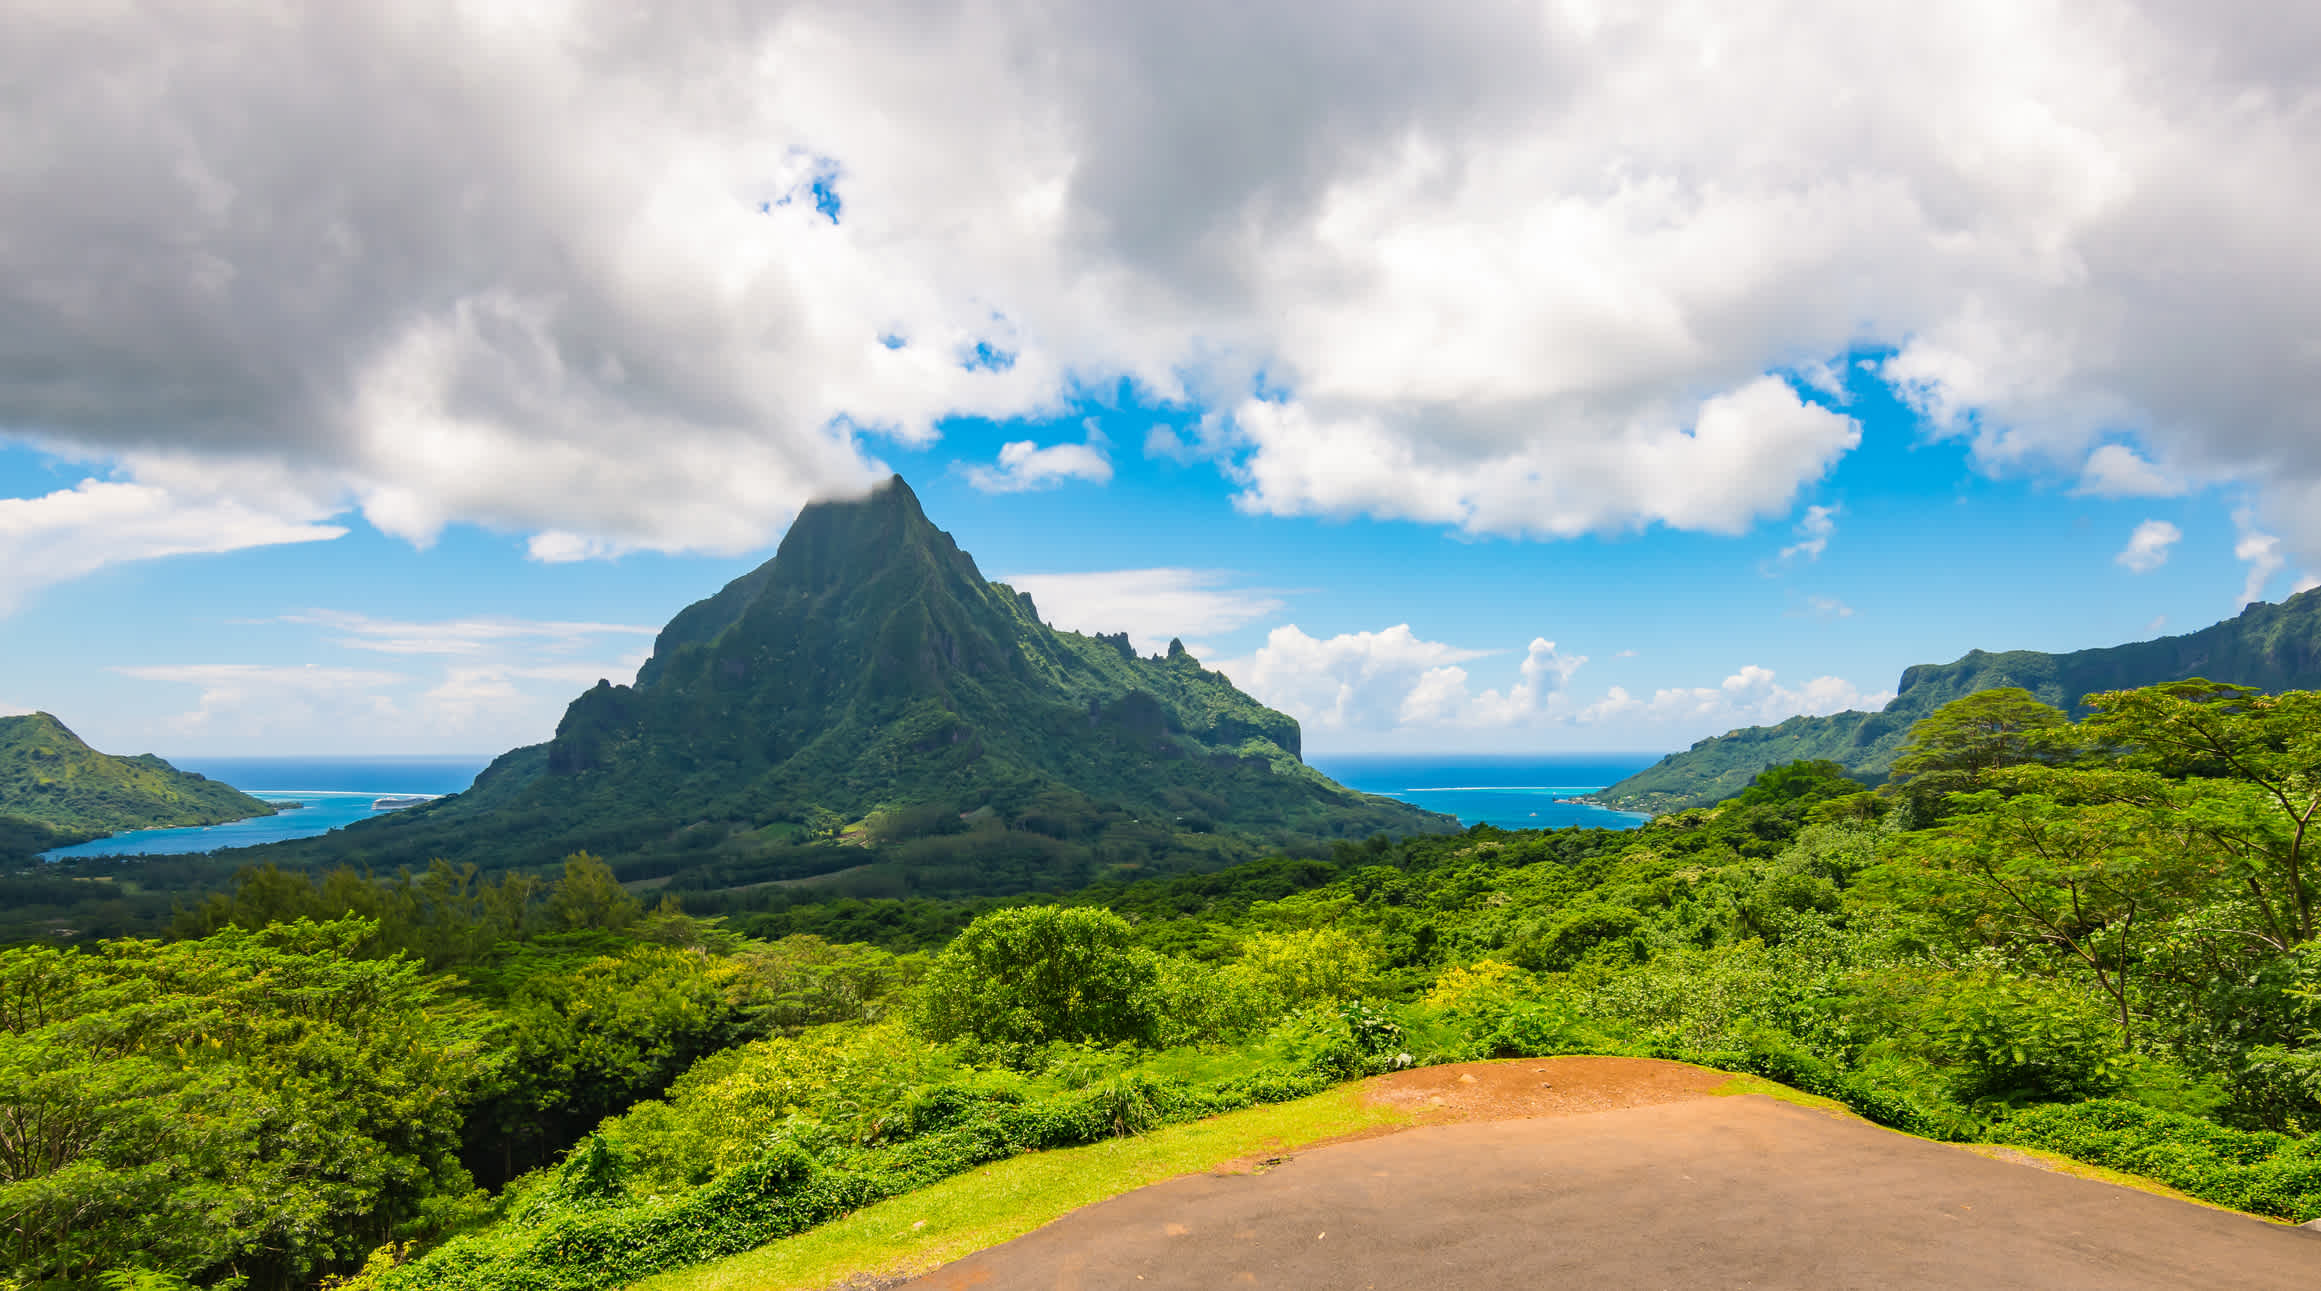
(1667, 1188)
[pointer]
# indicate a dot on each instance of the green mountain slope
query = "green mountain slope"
(2272, 647)
(51, 780)
(868, 699)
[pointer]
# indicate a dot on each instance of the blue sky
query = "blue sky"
(368, 643)
(1493, 377)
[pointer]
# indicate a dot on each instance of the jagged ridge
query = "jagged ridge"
(2273, 647)
(868, 667)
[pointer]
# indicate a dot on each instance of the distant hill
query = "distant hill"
(2270, 646)
(868, 702)
(54, 789)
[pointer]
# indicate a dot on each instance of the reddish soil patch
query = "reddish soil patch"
(1524, 1088)
(1518, 1089)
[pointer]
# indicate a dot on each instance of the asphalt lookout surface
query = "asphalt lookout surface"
(1602, 1172)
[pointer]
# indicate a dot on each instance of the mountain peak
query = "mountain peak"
(50, 776)
(836, 538)
(868, 670)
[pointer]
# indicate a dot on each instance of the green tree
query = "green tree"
(1979, 733)
(1811, 780)
(1309, 964)
(2252, 766)
(1958, 747)
(1040, 973)
(579, 1041)
(268, 1105)
(591, 897)
(1589, 928)
(2078, 877)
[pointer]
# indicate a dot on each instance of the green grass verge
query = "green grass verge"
(2036, 1158)
(1748, 1084)
(1006, 1199)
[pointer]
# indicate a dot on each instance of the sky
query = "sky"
(1474, 378)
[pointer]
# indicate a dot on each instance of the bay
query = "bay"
(1512, 791)
(333, 791)
(1518, 791)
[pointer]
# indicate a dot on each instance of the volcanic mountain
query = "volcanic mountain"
(55, 789)
(2273, 647)
(867, 701)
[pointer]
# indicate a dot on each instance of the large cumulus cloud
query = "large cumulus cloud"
(572, 269)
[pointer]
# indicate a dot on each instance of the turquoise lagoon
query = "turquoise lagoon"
(335, 792)
(1512, 792)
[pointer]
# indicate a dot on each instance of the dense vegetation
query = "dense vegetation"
(2095, 937)
(866, 704)
(2270, 647)
(55, 790)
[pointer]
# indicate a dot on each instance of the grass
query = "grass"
(2057, 1163)
(1748, 1084)
(1006, 1199)
(2036, 1158)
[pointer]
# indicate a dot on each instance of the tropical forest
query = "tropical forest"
(2090, 938)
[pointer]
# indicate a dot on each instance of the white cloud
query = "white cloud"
(270, 700)
(1828, 607)
(72, 532)
(1205, 440)
(1510, 267)
(2148, 546)
(477, 684)
(1354, 679)
(1352, 688)
(1165, 443)
(1395, 680)
(2157, 625)
(1813, 534)
(1150, 605)
(1752, 696)
(1828, 379)
(2117, 471)
(460, 636)
(2306, 583)
(1740, 455)
(1024, 466)
(2260, 551)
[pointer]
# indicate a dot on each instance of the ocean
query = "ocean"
(1516, 792)
(336, 791)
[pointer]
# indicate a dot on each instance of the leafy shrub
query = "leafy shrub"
(2013, 1041)
(1882, 1094)
(1455, 984)
(2253, 1170)
(1580, 932)
(575, 1237)
(1040, 973)
(1202, 1004)
(1370, 1029)
(781, 1192)
(1310, 965)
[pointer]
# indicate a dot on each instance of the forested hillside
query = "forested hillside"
(2271, 647)
(55, 789)
(869, 688)
(2095, 937)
